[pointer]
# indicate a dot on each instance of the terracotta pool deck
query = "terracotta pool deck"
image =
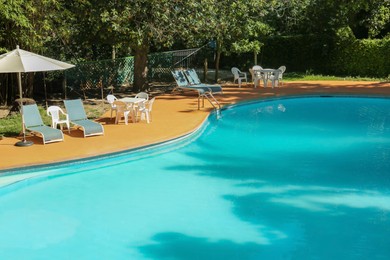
(174, 115)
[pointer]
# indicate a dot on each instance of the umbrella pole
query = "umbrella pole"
(24, 142)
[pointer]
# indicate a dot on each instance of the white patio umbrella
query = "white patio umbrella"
(18, 61)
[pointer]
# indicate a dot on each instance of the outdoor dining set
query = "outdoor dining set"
(132, 107)
(259, 74)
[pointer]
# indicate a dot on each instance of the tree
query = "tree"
(234, 26)
(366, 18)
(27, 24)
(254, 29)
(378, 20)
(287, 16)
(153, 23)
(80, 33)
(242, 27)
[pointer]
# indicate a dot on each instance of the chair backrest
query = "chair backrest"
(180, 78)
(111, 99)
(75, 109)
(54, 112)
(31, 115)
(192, 77)
(281, 70)
(120, 106)
(256, 67)
(142, 95)
(150, 105)
(277, 74)
(236, 72)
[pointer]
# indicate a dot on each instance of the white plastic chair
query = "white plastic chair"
(142, 95)
(278, 76)
(282, 69)
(111, 99)
(239, 76)
(252, 75)
(257, 75)
(145, 110)
(122, 108)
(274, 78)
(56, 114)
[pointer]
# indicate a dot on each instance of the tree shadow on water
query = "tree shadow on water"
(294, 167)
(180, 246)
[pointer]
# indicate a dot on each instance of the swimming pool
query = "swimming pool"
(293, 178)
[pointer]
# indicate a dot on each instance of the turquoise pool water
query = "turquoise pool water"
(298, 178)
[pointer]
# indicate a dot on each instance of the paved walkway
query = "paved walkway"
(173, 115)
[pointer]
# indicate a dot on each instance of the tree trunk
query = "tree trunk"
(140, 63)
(255, 57)
(113, 54)
(30, 84)
(64, 87)
(217, 59)
(205, 70)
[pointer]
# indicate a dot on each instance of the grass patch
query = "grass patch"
(12, 125)
(96, 110)
(292, 76)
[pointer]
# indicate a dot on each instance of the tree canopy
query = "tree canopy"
(83, 30)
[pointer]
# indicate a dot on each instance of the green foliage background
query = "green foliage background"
(321, 55)
(319, 36)
(367, 57)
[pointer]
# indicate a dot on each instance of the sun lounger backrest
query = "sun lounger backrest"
(33, 122)
(31, 114)
(75, 109)
(180, 78)
(192, 77)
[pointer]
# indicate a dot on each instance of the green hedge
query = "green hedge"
(298, 53)
(365, 58)
(320, 54)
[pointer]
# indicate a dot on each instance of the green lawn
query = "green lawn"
(297, 76)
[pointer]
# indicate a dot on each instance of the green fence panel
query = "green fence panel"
(91, 77)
